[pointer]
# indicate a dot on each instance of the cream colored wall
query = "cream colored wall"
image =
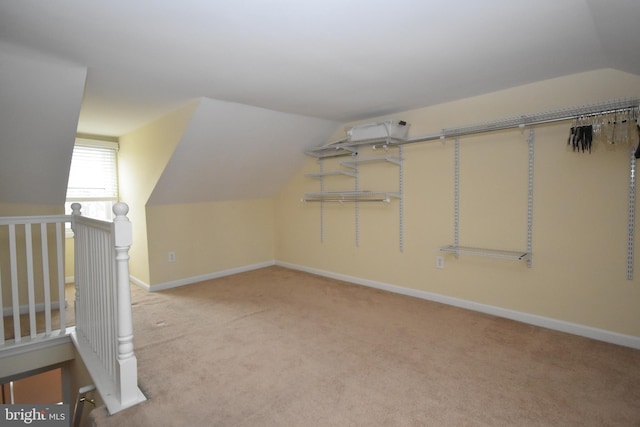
(209, 237)
(580, 211)
(10, 209)
(69, 258)
(142, 157)
(206, 237)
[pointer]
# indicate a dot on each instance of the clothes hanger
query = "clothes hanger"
(638, 149)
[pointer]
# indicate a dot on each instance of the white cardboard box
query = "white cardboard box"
(396, 129)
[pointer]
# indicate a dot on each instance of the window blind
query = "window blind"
(93, 174)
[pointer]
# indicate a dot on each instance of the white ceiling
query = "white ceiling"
(233, 151)
(39, 108)
(273, 77)
(334, 59)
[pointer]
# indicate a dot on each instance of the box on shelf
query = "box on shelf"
(396, 129)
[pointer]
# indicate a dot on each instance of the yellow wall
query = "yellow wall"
(9, 209)
(580, 211)
(206, 237)
(142, 157)
(209, 237)
(69, 260)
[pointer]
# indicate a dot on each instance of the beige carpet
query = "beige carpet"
(276, 347)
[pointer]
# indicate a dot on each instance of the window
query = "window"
(93, 178)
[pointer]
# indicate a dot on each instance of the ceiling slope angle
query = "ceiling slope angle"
(616, 24)
(233, 151)
(330, 59)
(40, 103)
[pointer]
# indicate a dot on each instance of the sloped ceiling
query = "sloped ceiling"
(39, 106)
(333, 60)
(229, 151)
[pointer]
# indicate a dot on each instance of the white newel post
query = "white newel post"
(75, 210)
(127, 369)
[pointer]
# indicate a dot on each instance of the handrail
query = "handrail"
(49, 219)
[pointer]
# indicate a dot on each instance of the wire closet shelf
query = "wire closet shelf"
(344, 147)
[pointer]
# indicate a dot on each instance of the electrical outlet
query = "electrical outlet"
(172, 256)
(439, 261)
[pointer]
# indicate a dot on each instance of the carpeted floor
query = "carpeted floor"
(276, 347)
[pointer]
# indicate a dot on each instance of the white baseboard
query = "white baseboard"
(139, 282)
(532, 319)
(202, 278)
(24, 308)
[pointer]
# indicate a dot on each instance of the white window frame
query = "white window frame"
(94, 143)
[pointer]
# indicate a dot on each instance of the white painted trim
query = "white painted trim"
(24, 308)
(27, 344)
(98, 143)
(139, 282)
(210, 276)
(106, 386)
(69, 279)
(532, 319)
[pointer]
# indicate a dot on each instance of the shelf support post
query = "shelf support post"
(357, 207)
(456, 195)
(631, 216)
(401, 192)
(321, 167)
(530, 141)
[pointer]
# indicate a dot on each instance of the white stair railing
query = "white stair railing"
(32, 277)
(32, 281)
(104, 329)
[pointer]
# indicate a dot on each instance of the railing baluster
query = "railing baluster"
(112, 290)
(2, 317)
(15, 301)
(82, 324)
(95, 332)
(62, 301)
(2, 308)
(30, 282)
(45, 278)
(100, 297)
(77, 276)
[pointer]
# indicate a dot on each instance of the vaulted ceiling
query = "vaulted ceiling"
(333, 60)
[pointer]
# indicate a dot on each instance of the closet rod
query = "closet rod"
(528, 120)
(334, 148)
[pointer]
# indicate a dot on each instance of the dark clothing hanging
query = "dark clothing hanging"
(638, 149)
(581, 138)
